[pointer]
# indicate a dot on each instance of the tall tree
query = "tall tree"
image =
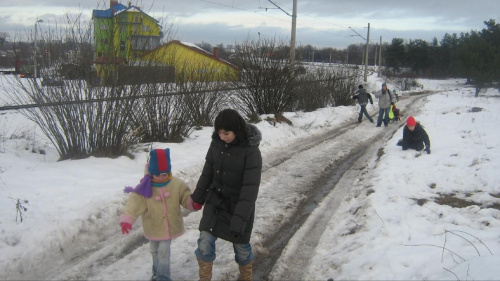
(479, 57)
(448, 53)
(395, 54)
(418, 56)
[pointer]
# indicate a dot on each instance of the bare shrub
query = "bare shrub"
(344, 83)
(159, 117)
(313, 89)
(267, 77)
(80, 121)
(204, 98)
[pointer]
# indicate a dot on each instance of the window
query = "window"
(104, 27)
(146, 28)
(144, 42)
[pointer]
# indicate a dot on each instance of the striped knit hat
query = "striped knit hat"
(159, 161)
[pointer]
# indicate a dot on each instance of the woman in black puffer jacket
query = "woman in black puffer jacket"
(228, 188)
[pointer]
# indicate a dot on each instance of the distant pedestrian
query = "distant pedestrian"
(363, 97)
(396, 113)
(415, 137)
(157, 200)
(385, 98)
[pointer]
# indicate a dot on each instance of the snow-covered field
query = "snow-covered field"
(394, 225)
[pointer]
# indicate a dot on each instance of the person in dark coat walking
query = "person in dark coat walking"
(363, 97)
(415, 137)
(227, 189)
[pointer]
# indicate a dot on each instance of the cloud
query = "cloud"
(321, 23)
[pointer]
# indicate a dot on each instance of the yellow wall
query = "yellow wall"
(135, 23)
(192, 65)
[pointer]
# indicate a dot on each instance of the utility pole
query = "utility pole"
(380, 56)
(294, 28)
(294, 31)
(366, 56)
(34, 60)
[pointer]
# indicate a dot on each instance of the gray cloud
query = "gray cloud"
(321, 23)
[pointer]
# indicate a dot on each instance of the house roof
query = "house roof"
(117, 9)
(194, 48)
(136, 10)
(109, 13)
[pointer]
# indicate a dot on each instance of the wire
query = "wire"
(279, 7)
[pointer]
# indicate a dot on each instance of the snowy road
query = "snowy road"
(322, 167)
(324, 182)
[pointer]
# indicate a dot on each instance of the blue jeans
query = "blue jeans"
(382, 112)
(365, 112)
(160, 251)
(206, 250)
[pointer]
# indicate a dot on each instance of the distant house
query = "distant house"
(127, 40)
(124, 33)
(192, 63)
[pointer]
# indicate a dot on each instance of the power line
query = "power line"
(279, 7)
(283, 10)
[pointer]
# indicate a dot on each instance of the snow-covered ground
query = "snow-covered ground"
(391, 226)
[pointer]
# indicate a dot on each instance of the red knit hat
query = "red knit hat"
(411, 121)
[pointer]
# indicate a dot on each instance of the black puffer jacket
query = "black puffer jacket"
(229, 185)
(415, 139)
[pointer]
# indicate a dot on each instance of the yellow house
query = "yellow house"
(124, 33)
(192, 63)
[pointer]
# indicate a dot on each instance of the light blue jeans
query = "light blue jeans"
(160, 251)
(385, 114)
(206, 250)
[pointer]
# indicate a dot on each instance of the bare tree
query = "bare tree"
(267, 76)
(3, 37)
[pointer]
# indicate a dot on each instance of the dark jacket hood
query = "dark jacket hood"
(254, 136)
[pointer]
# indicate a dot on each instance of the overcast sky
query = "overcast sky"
(321, 23)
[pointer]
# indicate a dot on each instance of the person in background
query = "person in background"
(363, 97)
(157, 199)
(396, 113)
(385, 98)
(415, 137)
(228, 188)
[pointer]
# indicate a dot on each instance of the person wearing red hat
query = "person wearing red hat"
(415, 137)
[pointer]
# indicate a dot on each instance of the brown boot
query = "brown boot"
(246, 272)
(205, 270)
